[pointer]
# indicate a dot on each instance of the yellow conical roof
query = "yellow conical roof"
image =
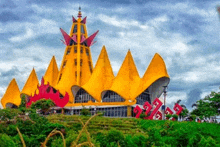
(12, 94)
(51, 73)
(127, 81)
(31, 84)
(156, 70)
(102, 76)
(67, 79)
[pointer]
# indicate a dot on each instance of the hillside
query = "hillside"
(107, 132)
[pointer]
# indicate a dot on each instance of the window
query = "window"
(60, 77)
(83, 97)
(82, 29)
(64, 64)
(75, 73)
(71, 42)
(143, 97)
(81, 50)
(75, 62)
(90, 66)
(111, 96)
(68, 51)
(75, 49)
(75, 29)
(87, 52)
(80, 74)
(81, 62)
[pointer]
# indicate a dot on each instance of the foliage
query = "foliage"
(8, 114)
(43, 104)
(208, 106)
(143, 115)
(23, 102)
(192, 117)
(168, 116)
(109, 132)
(6, 141)
(85, 111)
(175, 116)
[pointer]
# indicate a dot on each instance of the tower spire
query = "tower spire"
(79, 13)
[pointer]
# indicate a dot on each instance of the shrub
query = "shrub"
(115, 136)
(6, 141)
(168, 116)
(175, 116)
(85, 111)
(143, 115)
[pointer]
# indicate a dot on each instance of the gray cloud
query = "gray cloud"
(192, 97)
(182, 32)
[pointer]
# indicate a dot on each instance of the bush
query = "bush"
(6, 141)
(7, 114)
(85, 111)
(175, 116)
(168, 116)
(143, 115)
(115, 136)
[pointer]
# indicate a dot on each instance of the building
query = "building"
(94, 87)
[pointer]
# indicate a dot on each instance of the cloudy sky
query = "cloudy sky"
(185, 33)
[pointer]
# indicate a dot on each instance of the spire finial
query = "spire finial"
(79, 14)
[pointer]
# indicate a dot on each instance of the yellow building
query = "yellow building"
(96, 87)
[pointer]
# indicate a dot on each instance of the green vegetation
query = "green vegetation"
(106, 132)
(43, 104)
(207, 107)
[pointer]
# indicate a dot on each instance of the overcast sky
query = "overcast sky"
(185, 33)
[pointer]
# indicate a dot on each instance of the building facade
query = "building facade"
(96, 87)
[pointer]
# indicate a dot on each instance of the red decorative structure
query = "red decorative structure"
(177, 108)
(158, 104)
(84, 20)
(137, 110)
(89, 40)
(66, 37)
(74, 20)
(168, 111)
(47, 92)
(158, 115)
(147, 107)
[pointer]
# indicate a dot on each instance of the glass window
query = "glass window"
(64, 64)
(81, 62)
(81, 50)
(60, 77)
(68, 51)
(75, 49)
(82, 29)
(75, 29)
(87, 52)
(71, 42)
(75, 62)
(111, 96)
(83, 97)
(143, 97)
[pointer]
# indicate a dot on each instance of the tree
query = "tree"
(43, 104)
(23, 101)
(208, 106)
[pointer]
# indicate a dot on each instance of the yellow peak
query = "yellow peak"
(66, 79)
(127, 79)
(156, 76)
(51, 73)
(12, 94)
(156, 67)
(31, 84)
(102, 75)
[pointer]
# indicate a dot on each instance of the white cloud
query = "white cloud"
(35, 29)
